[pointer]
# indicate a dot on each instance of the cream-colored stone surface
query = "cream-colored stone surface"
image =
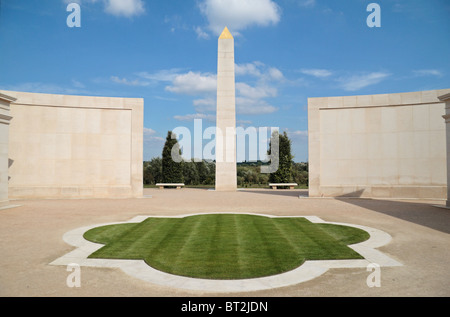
(446, 98)
(226, 178)
(389, 145)
(75, 146)
(5, 119)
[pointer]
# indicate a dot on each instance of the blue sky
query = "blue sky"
(166, 53)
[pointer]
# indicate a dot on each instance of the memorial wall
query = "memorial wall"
(385, 146)
(64, 146)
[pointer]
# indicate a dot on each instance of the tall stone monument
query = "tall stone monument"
(226, 179)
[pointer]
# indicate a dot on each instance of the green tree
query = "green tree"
(263, 179)
(172, 167)
(300, 173)
(190, 173)
(203, 172)
(211, 173)
(153, 171)
(284, 172)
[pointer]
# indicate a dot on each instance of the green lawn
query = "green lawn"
(226, 246)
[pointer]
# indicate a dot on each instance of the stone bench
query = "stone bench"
(162, 185)
(290, 185)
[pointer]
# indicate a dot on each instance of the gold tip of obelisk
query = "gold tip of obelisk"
(225, 34)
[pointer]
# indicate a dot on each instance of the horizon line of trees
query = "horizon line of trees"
(194, 172)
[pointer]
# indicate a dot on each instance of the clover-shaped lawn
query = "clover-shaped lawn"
(226, 246)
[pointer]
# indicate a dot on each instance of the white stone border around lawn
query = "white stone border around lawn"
(307, 271)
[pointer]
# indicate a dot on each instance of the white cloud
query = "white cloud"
(193, 83)
(201, 34)
(259, 70)
(249, 99)
(357, 82)
(250, 106)
(320, 73)
(77, 84)
(248, 69)
(165, 98)
(145, 79)
(428, 72)
(176, 22)
(307, 3)
(152, 144)
(47, 88)
(204, 102)
(259, 92)
(149, 136)
(148, 131)
(127, 82)
(275, 73)
(75, 1)
(298, 133)
(239, 14)
(242, 123)
(205, 105)
(127, 8)
(161, 75)
(191, 117)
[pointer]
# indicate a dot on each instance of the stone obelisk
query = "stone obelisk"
(226, 179)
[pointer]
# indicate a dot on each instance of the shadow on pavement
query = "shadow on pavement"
(425, 214)
(280, 192)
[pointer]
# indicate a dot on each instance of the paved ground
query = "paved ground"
(31, 238)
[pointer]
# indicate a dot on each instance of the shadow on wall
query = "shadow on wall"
(419, 213)
(10, 163)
